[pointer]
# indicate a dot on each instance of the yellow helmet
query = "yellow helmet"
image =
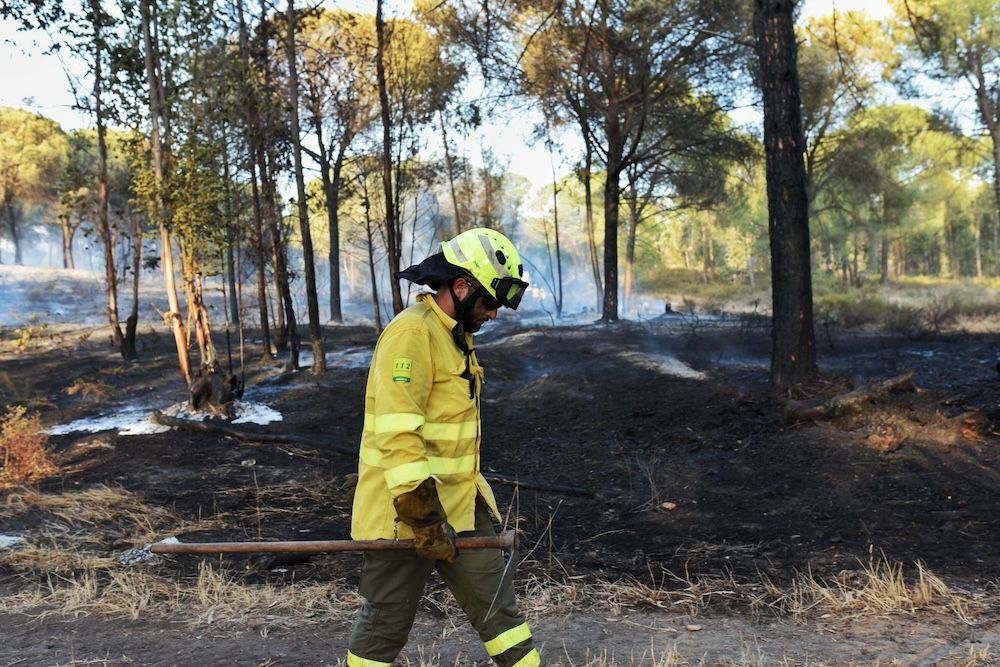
(490, 258)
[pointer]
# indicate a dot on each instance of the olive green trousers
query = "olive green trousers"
(392, 583)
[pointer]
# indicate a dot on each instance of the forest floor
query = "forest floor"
(705, 528)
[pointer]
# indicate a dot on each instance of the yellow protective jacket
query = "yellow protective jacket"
(420, 421)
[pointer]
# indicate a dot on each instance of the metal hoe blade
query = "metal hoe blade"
(507, 579)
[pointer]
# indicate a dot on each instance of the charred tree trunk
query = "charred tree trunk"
(555, 229)
(132, 323)
(793, 353)
(260, 253)
(391, 221)
(158, 151)
(279, 275)
(612, 191)
(333, 217)
(308, 261)
(103, 224)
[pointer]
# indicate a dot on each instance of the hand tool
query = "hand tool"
(506, 541)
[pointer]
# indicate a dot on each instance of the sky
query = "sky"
(39, 81)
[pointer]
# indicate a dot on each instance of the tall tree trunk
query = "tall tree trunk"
(376, 309)
(228, 258)
(260, 253)
(251, 126)
(331, 196)
(391, 221)
(333, 218)
(977, 232)
(68, 231)
(132, 323)
(633, 226)
(595, 262)
(103, 225)
(449, 163)
(277, 252)
(793, 352)
(612, 191)
(308, 261)
(160, 213)
(197, 313)
(555, 227)
(15, 235)
(884, 261)
(986, 103)
(287, 332)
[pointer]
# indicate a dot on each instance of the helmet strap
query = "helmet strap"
(458, 332)
(461, 306)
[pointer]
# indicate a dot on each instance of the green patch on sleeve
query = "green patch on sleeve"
(401, 369)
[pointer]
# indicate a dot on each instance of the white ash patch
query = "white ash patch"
(10, 541)
(124, 418)
(662, 363)
(248, 412)
(135, 419)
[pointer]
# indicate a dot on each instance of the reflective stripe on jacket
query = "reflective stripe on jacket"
(420, 421)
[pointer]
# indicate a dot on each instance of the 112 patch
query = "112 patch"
(401, 369)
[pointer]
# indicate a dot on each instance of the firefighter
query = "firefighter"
(419, 474)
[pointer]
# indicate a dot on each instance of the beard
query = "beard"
(470, 322)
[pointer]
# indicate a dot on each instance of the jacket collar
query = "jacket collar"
(428, 299)
(448, 322)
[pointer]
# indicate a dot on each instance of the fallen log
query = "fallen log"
(249, 436)
(849, 403)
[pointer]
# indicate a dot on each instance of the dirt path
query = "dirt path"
(633, 639)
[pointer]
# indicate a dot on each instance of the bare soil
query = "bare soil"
(686, 469)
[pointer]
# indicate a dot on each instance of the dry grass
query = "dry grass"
(878, 587)
(74, 532)
(23, 457)
(68, 567)
(291, 497)
(109, 513)
(212, 598)
(222, 598)
(89, 389)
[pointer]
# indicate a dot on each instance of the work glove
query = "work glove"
(421, 510)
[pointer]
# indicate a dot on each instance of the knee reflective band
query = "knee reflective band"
(531, 659)
(357, 661)
(508, 639)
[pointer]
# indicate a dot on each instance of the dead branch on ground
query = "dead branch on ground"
(851, 402)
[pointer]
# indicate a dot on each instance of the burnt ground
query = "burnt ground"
(684, 465)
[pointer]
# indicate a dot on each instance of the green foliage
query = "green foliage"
(29, 334)
(687, 291)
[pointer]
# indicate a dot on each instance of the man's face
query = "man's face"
(483, 310)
